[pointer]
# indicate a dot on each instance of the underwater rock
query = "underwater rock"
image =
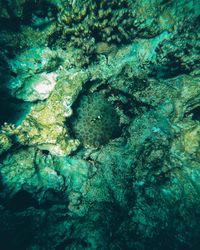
(30, 172)
(12, 9)
(45, 125)
(37, 88)
(5, 143)
(35, 72)
(128, 68)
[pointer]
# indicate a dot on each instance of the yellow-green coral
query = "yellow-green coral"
(86, 22)
(45, 126)
(5, 143)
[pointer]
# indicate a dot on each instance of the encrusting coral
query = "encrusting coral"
(96, 121)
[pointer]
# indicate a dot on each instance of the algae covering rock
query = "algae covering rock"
(34, 79)
(107, 156)
(5, 143)
(44, 127)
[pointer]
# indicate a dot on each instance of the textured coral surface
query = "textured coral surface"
(100, 125)
(96, 121)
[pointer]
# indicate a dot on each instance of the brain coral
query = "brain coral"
(96, 120)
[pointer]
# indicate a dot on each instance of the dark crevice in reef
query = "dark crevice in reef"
(168, 71)
(24, 13)
(21, 201)
(195, 114)
(12, 110)
(15, 232)
(50, 198)
(67, 243)
(6, 24)
(37, 9)
(5, 154)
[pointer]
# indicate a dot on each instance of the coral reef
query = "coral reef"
(100, 125)
(96, 120)
(103, 21)
(5, 143)
(44, 126)
(30, 82)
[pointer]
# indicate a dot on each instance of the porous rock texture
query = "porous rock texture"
(72, 74)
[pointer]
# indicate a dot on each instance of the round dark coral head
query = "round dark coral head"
(95, 121)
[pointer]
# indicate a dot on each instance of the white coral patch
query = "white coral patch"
(44, 87)
(38, 87)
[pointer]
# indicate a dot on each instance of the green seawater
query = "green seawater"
(99, 124)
